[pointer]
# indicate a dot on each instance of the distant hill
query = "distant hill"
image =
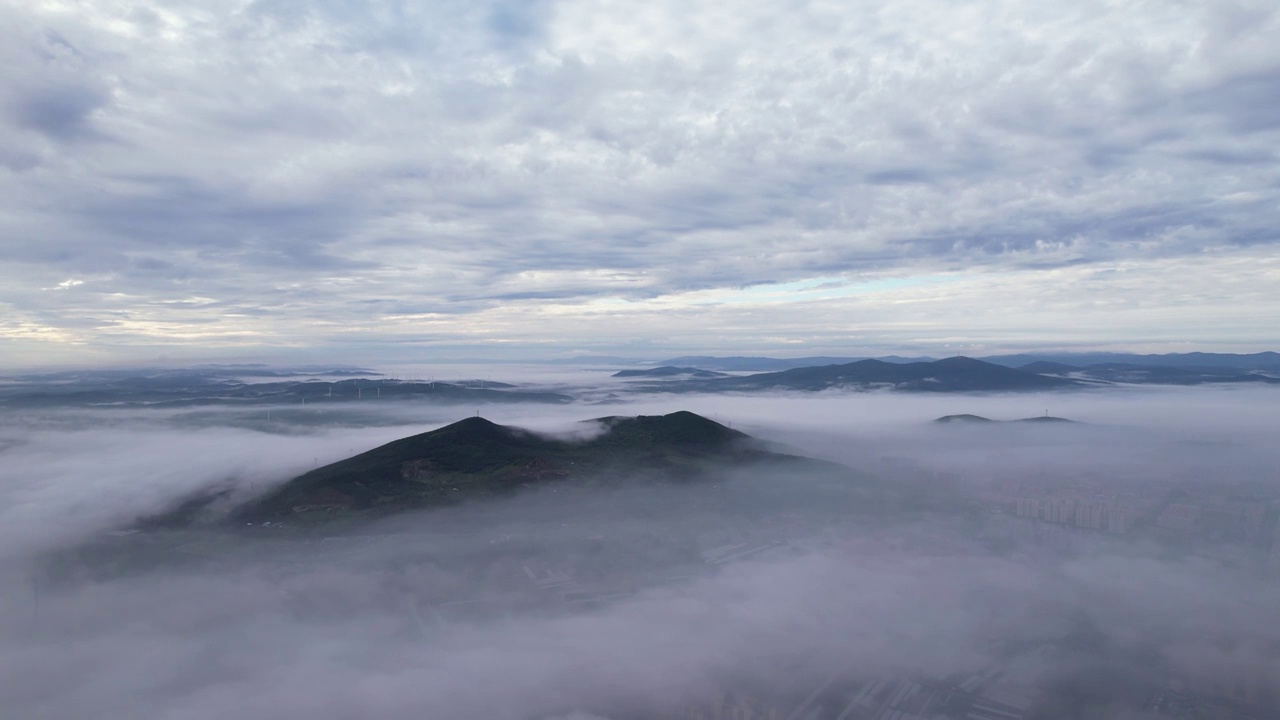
(475, 458)
(668, 371)
(957, 374)
(1263, 361)
(768, 364)
(1247, 361)
(979, 420)
(1044, 367)
(1152, 374)
(588, 360)
(740, 363)
(176, 377)
(169, 390)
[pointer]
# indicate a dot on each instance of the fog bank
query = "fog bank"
(944, 556)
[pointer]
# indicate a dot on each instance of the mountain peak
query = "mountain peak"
(472, 428)
(960, 361)
(954, 374)
(963, 418)
(678, 428)
(476, 458)
(475, 421)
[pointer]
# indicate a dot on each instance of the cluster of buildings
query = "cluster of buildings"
(1224, 519)
(987, 694)
(1190, 698)
(1098, 514)
(998, 691)
(1228, 515)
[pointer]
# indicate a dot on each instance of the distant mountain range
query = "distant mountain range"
(250, 385)
(965, 419)
(202, 389)
(766, 364)
(193, 374)
(669, 371)
(1176, 368)
(475, 458)
(1249, 361)
(1155, 374)
(957, 374)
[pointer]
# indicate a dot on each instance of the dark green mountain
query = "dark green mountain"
(475, 458)
(956, 374)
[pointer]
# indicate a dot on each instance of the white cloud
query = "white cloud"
(320, 165)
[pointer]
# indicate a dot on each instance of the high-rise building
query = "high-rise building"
(1118, 519)
(1178, 516)
(1091, 514)
(1059, 510)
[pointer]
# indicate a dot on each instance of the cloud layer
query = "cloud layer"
(521, 175)
(437, 614)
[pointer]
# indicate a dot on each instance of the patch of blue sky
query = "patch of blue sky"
(822, 288)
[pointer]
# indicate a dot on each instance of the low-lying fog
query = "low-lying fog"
(764, 596)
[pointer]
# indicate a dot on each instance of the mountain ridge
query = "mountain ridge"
(1267, 360)
(954, 374)
(750, 363)
(970, 419)
(475, 458)
(1129, 373)
(667, 371)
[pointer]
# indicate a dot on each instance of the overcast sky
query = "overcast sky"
(360, 180)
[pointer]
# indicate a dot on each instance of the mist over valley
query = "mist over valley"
(687, 555)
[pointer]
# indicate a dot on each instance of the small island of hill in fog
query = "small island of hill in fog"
(475, 458)
(966, 418)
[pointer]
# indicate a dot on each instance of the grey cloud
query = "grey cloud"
(519, 21)
(1247, 103)
(440, 154)
(899, 176)
(1242, 157)
(58, 89)
(61, 112)
(18, 159)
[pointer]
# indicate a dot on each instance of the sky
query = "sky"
(418, 181)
